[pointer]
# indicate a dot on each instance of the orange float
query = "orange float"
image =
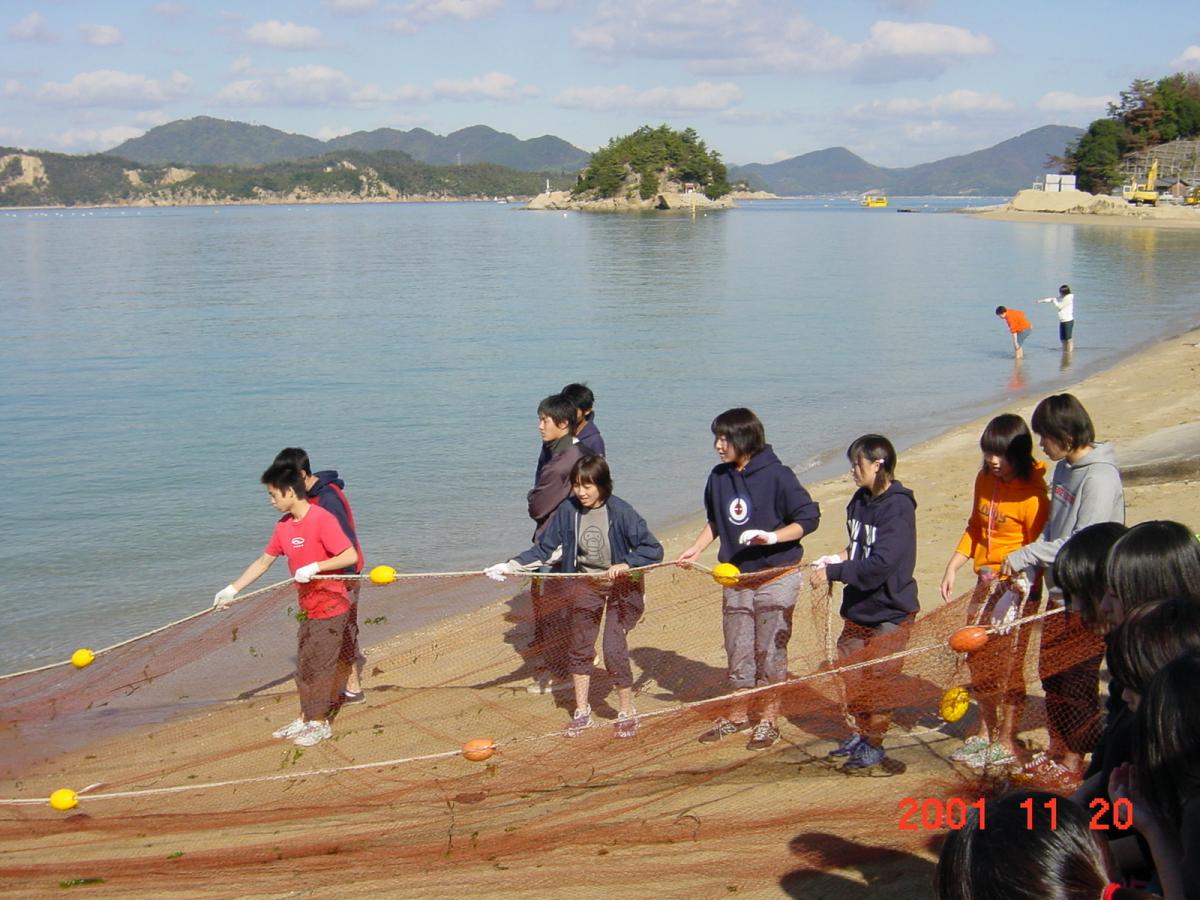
(968, 639)
(479, 749)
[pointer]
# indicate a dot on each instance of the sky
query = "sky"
(899, 82)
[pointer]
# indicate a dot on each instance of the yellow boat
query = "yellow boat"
(873, 202)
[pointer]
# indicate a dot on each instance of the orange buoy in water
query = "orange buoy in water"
(479, 749)
(968, 639)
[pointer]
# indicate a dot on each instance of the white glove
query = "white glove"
(753, 535)
(498, 571)
(304, 574)
(224, 596)
(824, 561)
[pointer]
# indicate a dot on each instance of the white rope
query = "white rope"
(446, 754)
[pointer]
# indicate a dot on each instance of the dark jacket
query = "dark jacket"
(588, 436)
(553, 484)
(883, 551)
(328, 493)
(628, 537)
(765, 495)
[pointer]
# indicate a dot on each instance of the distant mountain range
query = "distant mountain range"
(997, 171)
(205, 141)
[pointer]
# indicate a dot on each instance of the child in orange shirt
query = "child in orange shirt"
(1009, 510)
(1018, 326)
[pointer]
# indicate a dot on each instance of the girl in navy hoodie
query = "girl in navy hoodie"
(757, 507)
(879, 599)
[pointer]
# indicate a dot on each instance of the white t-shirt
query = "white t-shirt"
(1065, 306)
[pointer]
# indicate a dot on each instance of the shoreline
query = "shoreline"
(671, 809)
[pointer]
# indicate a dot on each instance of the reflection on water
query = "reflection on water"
(155, 362)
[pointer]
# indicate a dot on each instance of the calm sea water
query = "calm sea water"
(154, 361)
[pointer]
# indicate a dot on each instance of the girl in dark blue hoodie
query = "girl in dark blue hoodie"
(757, 507)
(879, 599)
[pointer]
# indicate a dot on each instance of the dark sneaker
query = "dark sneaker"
(581, 720)
(864, 756)
(846, 747)
(764, 735)
(722, 728)
(626, 725)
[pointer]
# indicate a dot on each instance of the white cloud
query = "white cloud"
(12, 87)
(241, 66)
(283, 35)
(311, 85)
(961, 103)
(351, 7)
(31, 28)
(750, 36)
(1066, 102)
(328, 133)
(1189, 59)
(100, 35)
(400, 26)
(463, 10)
(170, 10)
(703, 96)
(85, 139)
(120, 90)
(492, 86)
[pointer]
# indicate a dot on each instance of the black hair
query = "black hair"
(742, 429)
(875, 448)
(1153, 560)
(1044, 850)
(560, 410)
(1063, 419)
(1064, 289)
(593, 470)
(1079, 569)
(1001, 310)
(294, 456)
(284, 477)
(1167, 740)
(1150, 637)
(1008, 436)
(581, 396)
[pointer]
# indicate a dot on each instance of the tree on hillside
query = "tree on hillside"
(1148, 113)
(652, 154)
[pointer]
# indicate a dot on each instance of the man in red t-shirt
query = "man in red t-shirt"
(1018, 327)
(313, 542)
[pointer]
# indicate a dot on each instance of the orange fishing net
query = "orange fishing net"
(166, 743)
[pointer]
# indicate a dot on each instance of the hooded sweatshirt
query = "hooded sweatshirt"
(766, 495)
(328, 493)
(1005, 516)
(878, 576)
(1080, 495)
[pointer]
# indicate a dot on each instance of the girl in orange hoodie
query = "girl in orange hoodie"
(1008, 511)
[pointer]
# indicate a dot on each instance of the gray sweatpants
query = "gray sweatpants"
(758, 626)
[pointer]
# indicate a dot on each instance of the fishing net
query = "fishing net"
(166, 743)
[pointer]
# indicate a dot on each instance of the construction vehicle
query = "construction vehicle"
(1193, 198)
(1145, 193)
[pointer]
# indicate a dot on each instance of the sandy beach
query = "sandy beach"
(236, 814)
(1082, 208)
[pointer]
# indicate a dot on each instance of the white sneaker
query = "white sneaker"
(313, 733)
(291, 729)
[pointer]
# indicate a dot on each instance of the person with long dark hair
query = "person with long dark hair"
(1009, 509)
(879, 597)
(1164, 781)
(1027, 845)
